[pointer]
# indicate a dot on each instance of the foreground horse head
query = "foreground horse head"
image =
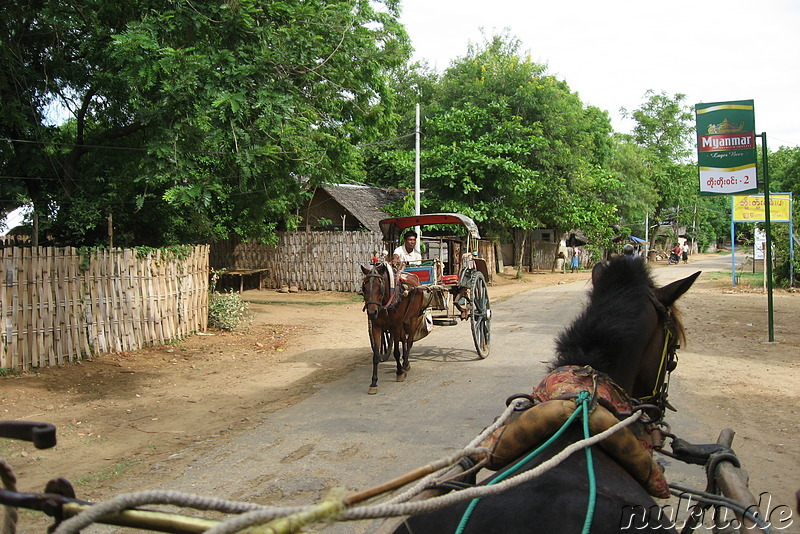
(390, 311)
(628, 330)
(627, 334)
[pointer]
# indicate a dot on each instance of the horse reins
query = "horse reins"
(668, 361)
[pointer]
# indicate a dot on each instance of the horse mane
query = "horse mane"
(610, 326)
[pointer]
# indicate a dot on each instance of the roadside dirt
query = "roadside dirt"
(125, 415)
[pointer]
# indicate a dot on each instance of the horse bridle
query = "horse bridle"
(381, 306)
(668, 361)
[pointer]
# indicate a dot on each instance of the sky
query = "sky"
(612, 52)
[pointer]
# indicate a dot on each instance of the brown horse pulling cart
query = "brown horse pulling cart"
(451, 288)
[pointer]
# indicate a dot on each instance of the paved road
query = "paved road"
(342, 437)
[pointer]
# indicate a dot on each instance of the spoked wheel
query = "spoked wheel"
(480, 316)
(385, 350)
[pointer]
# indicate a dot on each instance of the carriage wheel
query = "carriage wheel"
(480, 316)
(385, 350)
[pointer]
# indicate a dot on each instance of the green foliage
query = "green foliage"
(505, 143)
(784, 170)
(226, 311)
(664, 129)
(188, 121)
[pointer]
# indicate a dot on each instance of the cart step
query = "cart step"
(444, 321)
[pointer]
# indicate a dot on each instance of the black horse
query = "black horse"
(627, 331)
(390, 310)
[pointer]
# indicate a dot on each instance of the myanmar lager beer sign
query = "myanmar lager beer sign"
(726, 147)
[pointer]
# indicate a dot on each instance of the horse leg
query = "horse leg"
(399, 341)
(376, 358)
(407, 351)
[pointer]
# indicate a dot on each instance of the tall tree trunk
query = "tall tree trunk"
(521, 253)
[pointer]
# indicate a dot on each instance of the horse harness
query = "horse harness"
(667, 363)
(370, 278)
(394, 295)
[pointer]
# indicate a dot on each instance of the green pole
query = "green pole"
(768, 245)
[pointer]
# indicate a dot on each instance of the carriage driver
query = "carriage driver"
(405, 254)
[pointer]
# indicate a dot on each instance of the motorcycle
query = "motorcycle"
(673, 259)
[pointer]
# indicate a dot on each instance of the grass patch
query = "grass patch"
(106, 474)
(744, 279)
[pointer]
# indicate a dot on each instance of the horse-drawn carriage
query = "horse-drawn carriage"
(449, 286)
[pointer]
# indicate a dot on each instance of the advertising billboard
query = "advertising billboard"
(726, 147)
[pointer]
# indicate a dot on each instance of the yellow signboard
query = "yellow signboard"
(750, 208)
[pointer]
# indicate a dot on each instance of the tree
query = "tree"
(507, 144)
(784, 170)
(664, 126)
(188, 120)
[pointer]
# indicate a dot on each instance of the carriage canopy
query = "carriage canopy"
(393, 227)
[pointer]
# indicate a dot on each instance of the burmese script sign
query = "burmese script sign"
(726, 147)
(750, 208)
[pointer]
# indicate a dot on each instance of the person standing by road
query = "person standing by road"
(576, 259)
(685, 252)
(561, 262)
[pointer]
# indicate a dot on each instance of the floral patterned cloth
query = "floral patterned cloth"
(566, 382)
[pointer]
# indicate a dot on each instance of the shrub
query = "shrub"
(226, 311)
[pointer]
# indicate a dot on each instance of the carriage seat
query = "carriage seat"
(425, 273)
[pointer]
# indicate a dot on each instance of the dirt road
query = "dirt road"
(145, 417)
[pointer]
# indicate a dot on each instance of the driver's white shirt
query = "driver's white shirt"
(406, 257)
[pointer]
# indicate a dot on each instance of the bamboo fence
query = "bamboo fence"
(312, 261)
(59, 305)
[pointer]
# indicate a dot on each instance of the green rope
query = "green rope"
(587, 524)
(583, 397)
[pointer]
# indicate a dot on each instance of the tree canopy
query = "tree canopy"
(193, 121)
(188, 120)
(507, 144)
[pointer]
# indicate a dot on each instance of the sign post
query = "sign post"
(768, 245)
(726, 157)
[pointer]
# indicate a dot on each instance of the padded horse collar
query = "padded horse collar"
(668, 361)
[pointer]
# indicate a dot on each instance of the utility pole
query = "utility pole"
(416, 181)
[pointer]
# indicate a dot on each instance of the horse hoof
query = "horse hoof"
(372, 390)
(401, 377)
(407, 367)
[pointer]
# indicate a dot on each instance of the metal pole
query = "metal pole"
(791, 243)
(768, 252)
(733, 246)
(417, 180)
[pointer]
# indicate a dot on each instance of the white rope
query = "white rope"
(187, 500)
(437, 503)
(254, 513)
(426, 481)
(9, 480)
(141, 498)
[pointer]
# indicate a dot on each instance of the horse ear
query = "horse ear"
(364, 270)
(597, 271)
(671, 292)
